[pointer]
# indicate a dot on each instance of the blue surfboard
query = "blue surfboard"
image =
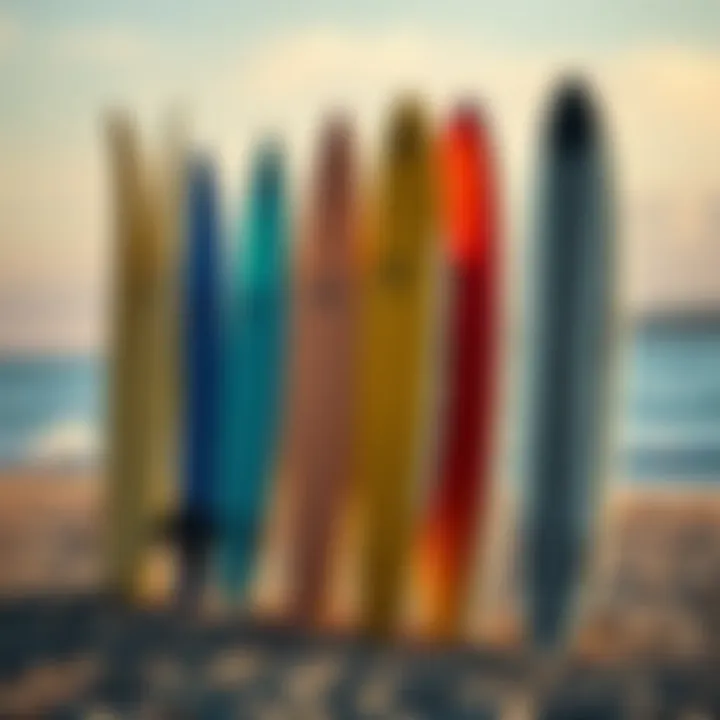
(200, 371)
(252, 370)
(569, 351)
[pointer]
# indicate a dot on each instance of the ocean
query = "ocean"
(52, 409)
(671, 408)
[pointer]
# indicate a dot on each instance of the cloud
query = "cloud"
(662, 104)
(666, 104)
(291, 82)
(53, 248)
(659, 100)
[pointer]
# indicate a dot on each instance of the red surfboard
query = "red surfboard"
(460, 496)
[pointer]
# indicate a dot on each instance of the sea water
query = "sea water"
(53, 408)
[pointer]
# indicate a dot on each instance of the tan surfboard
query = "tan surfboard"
(324, 326)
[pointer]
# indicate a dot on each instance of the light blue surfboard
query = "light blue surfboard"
(569, 356)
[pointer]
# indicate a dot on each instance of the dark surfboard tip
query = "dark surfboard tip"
(189, 530)
(407, 131)
(573, 118)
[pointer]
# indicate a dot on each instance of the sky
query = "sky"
(237, 70)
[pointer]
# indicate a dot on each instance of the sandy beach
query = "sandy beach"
(50, 531)
(50, 545)
(50, 515)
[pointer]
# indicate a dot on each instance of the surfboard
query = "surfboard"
(459, 499)
(253, 370)
(395, 310)
(570, 320)
(200, 369)
(130, 396)
(167, 192)
(324, 309)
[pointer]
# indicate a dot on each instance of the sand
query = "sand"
(50, 531)
(51, 542)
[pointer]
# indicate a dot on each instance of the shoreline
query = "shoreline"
(51, 527)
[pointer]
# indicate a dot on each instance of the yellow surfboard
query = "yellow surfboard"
(394, 321)
(167, 198)
(130, 419)
(143, 363)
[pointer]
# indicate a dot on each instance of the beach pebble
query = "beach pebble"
(478, 692)
(271, 711)
(233, 668)
(165, 674)
(100, 713)
(47, 686)
(311, 679)
(377, 696)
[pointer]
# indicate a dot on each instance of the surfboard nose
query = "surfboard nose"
(336, 162)
(269, 170)
(573, 123)
(201, 180)
(467, 119)
(267, 218)
(407, 133)
(337, 135)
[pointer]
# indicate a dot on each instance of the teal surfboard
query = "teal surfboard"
(252, 376)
